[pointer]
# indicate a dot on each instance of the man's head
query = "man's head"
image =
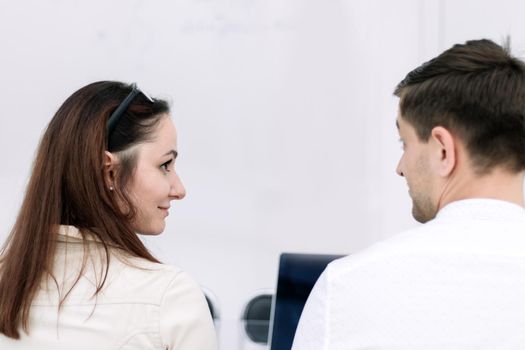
(470, 97)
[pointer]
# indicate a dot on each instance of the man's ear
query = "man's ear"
(110, 161)
(446, 150)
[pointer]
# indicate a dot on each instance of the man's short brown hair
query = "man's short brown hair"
(477, 91)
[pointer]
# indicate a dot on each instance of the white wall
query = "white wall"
(284, 109)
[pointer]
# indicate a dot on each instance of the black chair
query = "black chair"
(213, 305)
(256, 317)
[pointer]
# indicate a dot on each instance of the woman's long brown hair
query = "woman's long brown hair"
(68, 186)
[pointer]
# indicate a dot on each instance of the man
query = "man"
(457, 282)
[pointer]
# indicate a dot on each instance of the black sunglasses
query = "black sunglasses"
(122, 108)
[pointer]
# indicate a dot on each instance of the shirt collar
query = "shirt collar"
(68, 233)
(481, 209)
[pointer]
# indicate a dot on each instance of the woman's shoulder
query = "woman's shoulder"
(138, 265)
(185, 318)
(139, 278)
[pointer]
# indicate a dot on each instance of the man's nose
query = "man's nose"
(398, 169)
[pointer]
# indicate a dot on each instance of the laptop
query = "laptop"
(297, 276)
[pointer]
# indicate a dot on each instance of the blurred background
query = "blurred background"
(284, 109)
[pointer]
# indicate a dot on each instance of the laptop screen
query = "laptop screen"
(297, 276)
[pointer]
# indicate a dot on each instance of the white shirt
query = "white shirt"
(457, 282)
(143, 305)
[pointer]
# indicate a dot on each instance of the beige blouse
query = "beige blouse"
(143, 305)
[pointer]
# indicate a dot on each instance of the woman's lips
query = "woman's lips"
(165, 210)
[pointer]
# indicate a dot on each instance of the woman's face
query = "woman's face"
(155, 183)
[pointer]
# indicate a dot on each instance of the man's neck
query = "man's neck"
(498, 184)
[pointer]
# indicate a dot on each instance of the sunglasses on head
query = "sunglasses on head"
(122, 108)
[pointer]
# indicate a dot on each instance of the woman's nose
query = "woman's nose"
(177, 189)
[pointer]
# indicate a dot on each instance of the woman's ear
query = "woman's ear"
(446, 150)
(110, 162)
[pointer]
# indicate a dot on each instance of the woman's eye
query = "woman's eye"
(166, 166)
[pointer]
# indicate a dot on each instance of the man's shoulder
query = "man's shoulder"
(484, 233)
(414, 241)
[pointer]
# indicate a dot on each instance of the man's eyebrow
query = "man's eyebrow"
(397, 124)
(172, 152)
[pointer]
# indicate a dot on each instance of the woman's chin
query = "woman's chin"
(151, 230)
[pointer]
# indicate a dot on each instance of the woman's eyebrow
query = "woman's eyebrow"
(172, 152)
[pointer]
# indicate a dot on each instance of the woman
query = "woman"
(73, 273)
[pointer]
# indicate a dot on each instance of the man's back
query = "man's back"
(457, 282)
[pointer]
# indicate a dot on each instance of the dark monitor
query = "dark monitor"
(297, 276)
